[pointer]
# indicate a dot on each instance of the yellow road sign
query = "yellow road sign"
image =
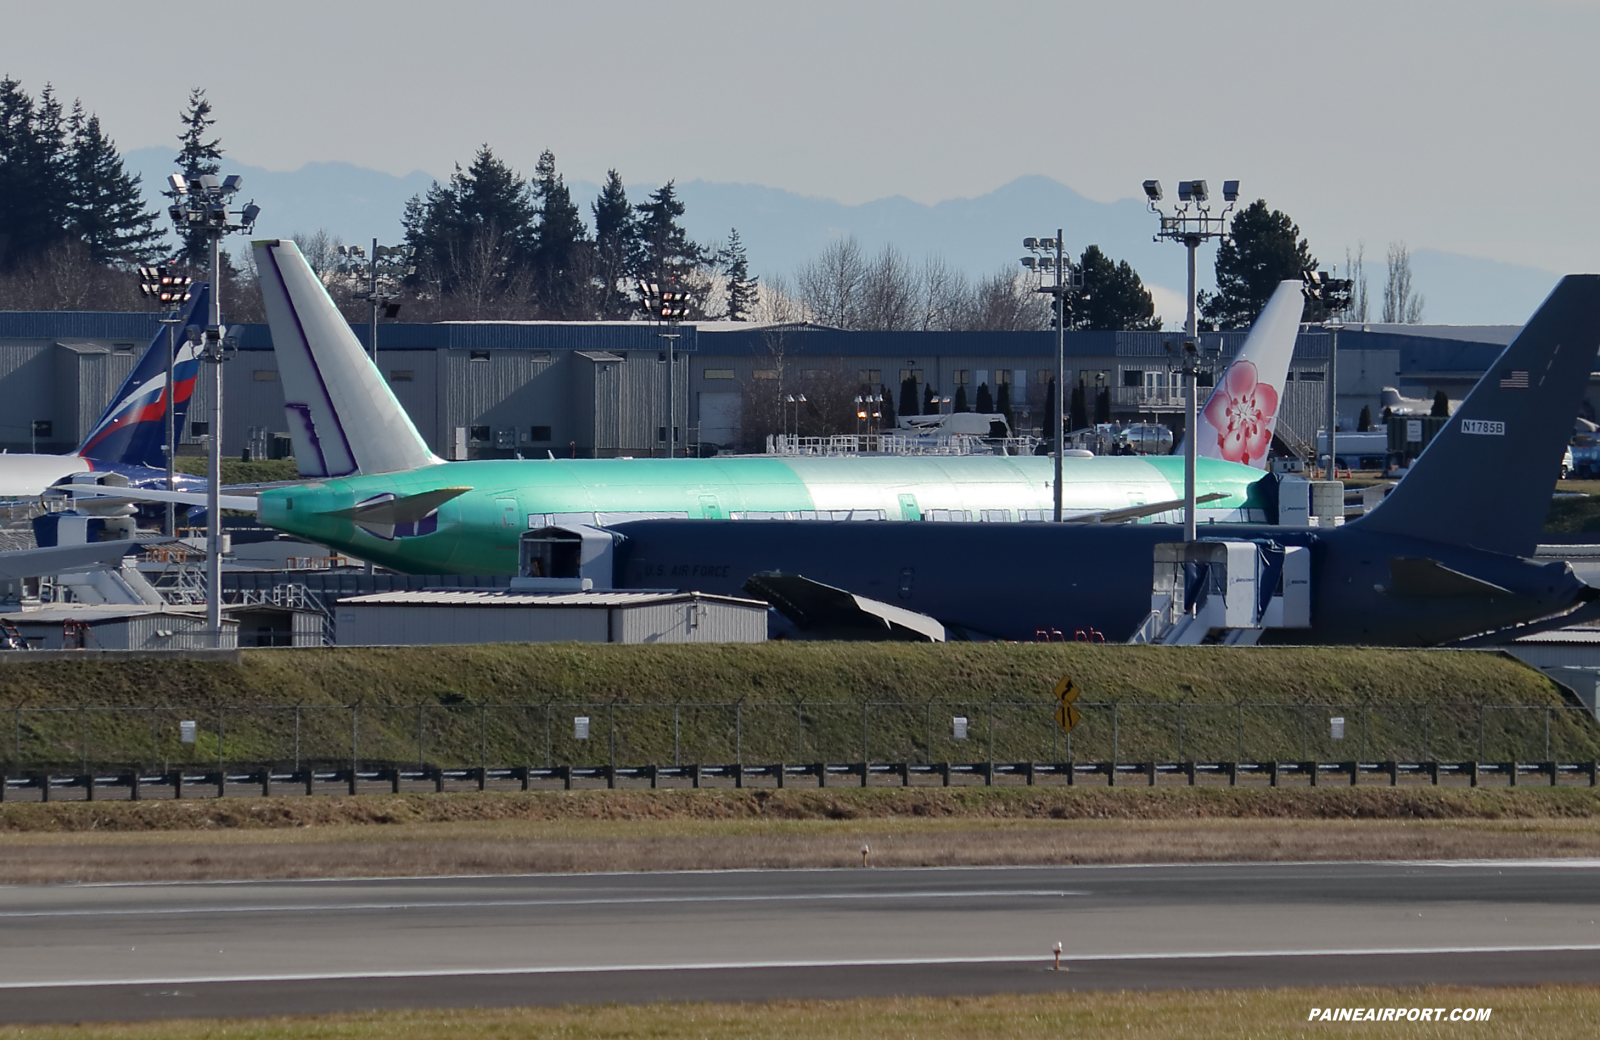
(1067, 717)
(1066, 690)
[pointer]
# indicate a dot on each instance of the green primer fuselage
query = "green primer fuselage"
(477, 532)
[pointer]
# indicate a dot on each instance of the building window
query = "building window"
(123, 348)
(265, 375)
(480, 433)
(402, 375)
(760, 373)
(718, 373)
(1132, 377)
(869, 375)
(480, 355)
(1310, 377)
(961, 377)
(538, 433)
(1045, 375)
(911, 373)
(1288, 377)
(540, 357)
(1002, 377)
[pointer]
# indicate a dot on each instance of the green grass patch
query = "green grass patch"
(794, 702)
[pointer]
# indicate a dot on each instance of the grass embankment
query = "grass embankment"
(508, 704)
(582, 831)
(1548, 1012)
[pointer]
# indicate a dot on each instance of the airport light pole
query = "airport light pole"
(170, 290)
(1332, 295)
(1049, 261)
(387, 297)
(1191, 223)
(668, 304)
(203, 205)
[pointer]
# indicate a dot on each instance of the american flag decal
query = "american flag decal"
(1514, 379)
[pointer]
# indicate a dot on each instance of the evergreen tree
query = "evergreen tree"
(559, 244)
(742, 288)
(985, 405)
(474, 237)
(961, 400)
(1002, 405)
(908, 396)
(1113, 297)
(1080, 407)
(106, 208)
(1102, 406)
(887, 420)
(197, 157)
(928, 394)
(33, 213)
(1441, 405)
(1263, 248)
(616, 240)
(1364, 423)
(666, 249)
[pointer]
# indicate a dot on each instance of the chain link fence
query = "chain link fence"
(467, 734)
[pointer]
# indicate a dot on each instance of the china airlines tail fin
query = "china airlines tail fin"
(133, 429)
(341, 415)
(1238, 418)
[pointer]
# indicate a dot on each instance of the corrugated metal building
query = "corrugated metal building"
(477, 616)
(599, 388)
(78, 626)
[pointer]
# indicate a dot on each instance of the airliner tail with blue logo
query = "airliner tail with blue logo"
(130, 435)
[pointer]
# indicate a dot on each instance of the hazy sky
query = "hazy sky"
(1464, 126)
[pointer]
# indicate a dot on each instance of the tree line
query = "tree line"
(488, 243)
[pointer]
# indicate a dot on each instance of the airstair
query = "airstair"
(1225, 591)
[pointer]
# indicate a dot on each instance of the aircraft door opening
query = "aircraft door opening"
(908, 508)
(710, 509)
(508, 512)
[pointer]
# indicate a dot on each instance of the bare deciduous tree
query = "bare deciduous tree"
(1355, 270)
(1401, 304)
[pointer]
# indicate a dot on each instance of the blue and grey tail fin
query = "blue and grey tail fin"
(133, 430)
(1486, 478)
(1239, 417)
(342, 417)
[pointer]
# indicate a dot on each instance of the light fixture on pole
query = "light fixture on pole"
(1191, 223)
(1331, 296)
(385, 296)
(203, 204)
(1059, 277)
(171, 291)
(667, 304)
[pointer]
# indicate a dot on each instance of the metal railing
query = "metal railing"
(474, 734)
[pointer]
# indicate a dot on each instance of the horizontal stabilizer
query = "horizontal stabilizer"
(1419, 578)
(61, 559)
(392, 512)
(1120, 516)
(826, 611)
(241, 503)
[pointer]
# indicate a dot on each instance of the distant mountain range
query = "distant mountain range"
(782, 230)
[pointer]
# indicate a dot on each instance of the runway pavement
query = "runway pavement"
(143, 951)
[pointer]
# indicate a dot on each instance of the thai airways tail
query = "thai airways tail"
(1240, 415)
(133, 429)
(342, 417)
(1485, 479)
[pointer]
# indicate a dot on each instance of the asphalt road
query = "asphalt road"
(87, 952)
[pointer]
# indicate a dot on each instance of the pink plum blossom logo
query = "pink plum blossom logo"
(1242, 411)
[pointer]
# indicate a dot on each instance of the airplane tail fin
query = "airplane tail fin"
(1486, 478)
(133, 429)
(342, 417)
(1238, 418)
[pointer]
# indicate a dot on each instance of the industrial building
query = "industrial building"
(439, 616)
(598, 389)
